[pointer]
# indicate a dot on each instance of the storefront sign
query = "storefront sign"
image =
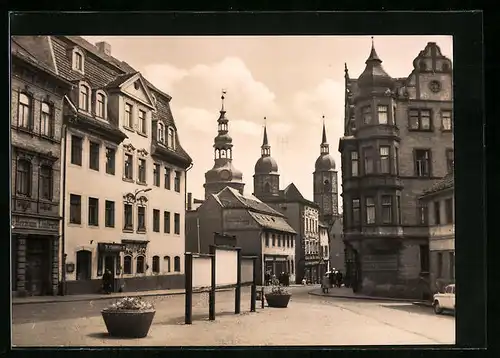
(110, 247)
(48, 224)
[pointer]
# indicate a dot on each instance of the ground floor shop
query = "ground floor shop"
(315, 270)
(278, 264)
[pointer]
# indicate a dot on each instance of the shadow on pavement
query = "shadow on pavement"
(411, 308)
(175, 321)
(105, 335)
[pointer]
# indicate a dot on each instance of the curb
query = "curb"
(367, 298)
(423, 304)
(106, 297)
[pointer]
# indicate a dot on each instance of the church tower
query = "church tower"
(266, 180)
(223, 172)
(325, 182)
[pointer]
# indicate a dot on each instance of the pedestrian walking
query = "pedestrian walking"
(331, 278)
(325, 284)
(106, 281)
(337, 278)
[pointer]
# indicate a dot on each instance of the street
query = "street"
(308, 320)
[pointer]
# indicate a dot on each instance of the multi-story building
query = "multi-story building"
(438, 212)
(397, 141)
(324, 244)
(37, 94)
(258, 229)
(336, 245)
(301, 214)
(124, 177)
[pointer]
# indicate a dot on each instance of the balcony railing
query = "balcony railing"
(34, 206)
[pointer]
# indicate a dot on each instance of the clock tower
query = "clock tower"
(223, 172)
(266, 180)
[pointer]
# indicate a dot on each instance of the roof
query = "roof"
(244, 201)
(290, 195)
(272, 222)
(448, 182)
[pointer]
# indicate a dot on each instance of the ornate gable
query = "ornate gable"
(137, 89)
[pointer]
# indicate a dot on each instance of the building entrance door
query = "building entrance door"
(110, 264)
(37, 267)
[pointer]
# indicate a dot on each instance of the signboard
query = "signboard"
(110, 247)
(246, 270)
(202, 271)
(226, 267)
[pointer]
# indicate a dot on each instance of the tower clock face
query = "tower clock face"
(225, 175)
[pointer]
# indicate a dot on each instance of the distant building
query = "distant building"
(37, 93)
(438, 211)
(336, 245)
(397, 141)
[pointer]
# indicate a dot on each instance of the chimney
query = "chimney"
(190, 201)
(104, 48)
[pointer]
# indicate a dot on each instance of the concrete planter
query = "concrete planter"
(278, 301)
(128, 323)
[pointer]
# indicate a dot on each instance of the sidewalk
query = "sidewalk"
(344, 292)
(93, 297)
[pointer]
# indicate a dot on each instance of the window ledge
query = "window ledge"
(107, 173)
(420, 130)
(109, 226)
(143, 183)
(128, 180)
(70, 224)
(127, 230)
(142, 134)
(92, 226)
(94, 169)
(129, 129)
(141, 231)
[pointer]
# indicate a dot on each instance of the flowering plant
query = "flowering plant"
(277, 288)
(130, 303)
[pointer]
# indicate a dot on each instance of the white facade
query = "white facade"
(311, 231)
(324, 244)
(276, 245)
(167, 246)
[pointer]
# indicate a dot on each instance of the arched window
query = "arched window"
(100, 104)
(223, 153)
(84, 98)
(46, 182)
(177, 264)
(46, 120)
(267, 188)
(422, 65)
(166, 262)
(78, 60)
(127, 265)
(23, 179)
(24, 111)
(161, 132)
(140, 265)
(83, 265)
(156, 264)
(171, 138)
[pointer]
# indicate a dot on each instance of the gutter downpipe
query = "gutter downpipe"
(185, 200)
(63, 229)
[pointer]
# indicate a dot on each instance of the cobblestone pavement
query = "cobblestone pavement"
(308, 320)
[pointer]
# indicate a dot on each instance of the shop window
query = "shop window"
(83, 265)
(140, 265)
(127, 265)
(177, 264)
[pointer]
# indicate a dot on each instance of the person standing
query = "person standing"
(106, 281)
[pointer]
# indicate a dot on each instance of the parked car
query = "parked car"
(445, 300)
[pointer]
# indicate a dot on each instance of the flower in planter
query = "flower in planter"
(130, 303)
(277, 288)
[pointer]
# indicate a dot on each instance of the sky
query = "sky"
(291, 80)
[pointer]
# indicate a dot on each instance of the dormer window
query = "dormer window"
(84, 98)
(78, 60)
(100, 104)
(161, 132)
(171, 139)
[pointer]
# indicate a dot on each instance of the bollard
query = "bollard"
(262, 296)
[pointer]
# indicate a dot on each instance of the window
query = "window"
(156, 264)
(383, 115)
(142, 121)
(450, 160)
(439, 265)
(142, 170)
(83, 265)
(171, 138)
(354, 164)
(167, 178)
(128, 116)
(291, 242)
(420, 119)
(166, 262)
(100, 105)
(46, 181)
(79, 61)
(161, 132)
(398, 203)
(368, 158)
(387, 209)
(396, 159)
(422, 163)
(93, 212)
(370, 210)
(128, 217)
(177, 224)
(46, 121)
(23, 180)
(76, 150)
(366, 113)
(129, 166)
(75, 209)
(109, 219)
(94, 156)
(267, 239)
(452, 265)
(394, 116)
(140, 264)
(141, 218)
(448, 211)
(437, 213)
(177, 264)
(127, 265)
(273, 239)
(356, 217)
(156, 175)
(422, 213)
(177, 182)
(279, 240)
(156, 220)
(84, 98)
(424, 258)
(24, 111)
(110, 161)
(384, 159)
(446, 120)
(166, 222)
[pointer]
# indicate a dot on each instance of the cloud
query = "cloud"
(198, 119)
(164, 76)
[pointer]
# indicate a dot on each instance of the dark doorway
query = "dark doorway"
(38, 260)
(83, 265)
(110, 264)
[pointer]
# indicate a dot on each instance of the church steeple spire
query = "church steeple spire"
(373, 55)
(265, 148)
(325, 147)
